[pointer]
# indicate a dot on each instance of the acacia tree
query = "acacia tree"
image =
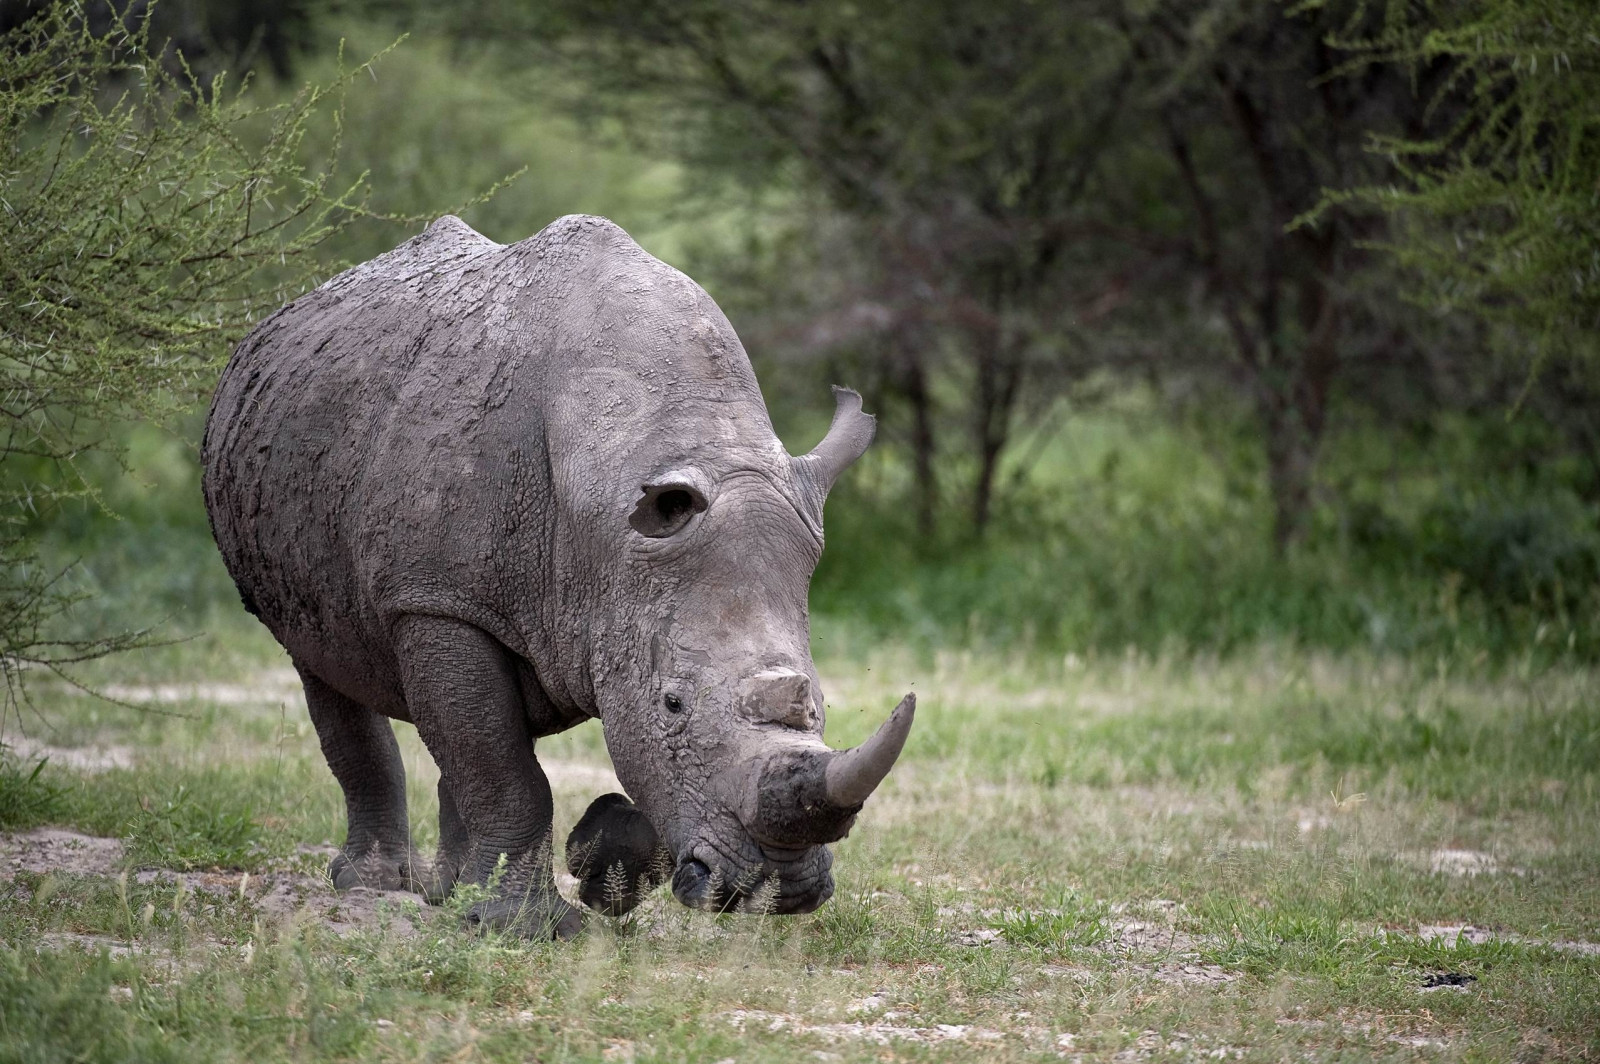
(1010, 175)
(1258, 116)
(147, 220)
(955, 141)
(1496, 205)
(209, 34)
(1493, 210)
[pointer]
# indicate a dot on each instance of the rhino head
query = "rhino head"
(715, 720)
(675, 601)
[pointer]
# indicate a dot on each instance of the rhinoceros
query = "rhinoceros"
(499, 490)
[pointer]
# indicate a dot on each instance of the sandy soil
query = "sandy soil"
(282, 896)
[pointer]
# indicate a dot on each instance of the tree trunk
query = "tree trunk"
(997, 359)
(983, 490)
(1294, 412)
(999, 374)
(922, 446)
(1291, 464)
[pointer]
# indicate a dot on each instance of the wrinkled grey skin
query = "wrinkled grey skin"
(497, 490)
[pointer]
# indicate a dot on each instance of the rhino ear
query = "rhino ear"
(848, 438)
(666, 507)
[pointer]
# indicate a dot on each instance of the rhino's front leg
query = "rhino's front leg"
(615, 855)
(461, 690)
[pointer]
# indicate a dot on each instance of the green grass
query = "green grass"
(25, 797)
(1097, 855)
(1068, 919)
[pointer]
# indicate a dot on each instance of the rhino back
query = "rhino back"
(291, 443)
(447, 428)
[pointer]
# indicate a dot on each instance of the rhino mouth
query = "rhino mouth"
(767, 881)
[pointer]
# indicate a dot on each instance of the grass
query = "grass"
(26, 798)
(1070, 919)
(1110, 857)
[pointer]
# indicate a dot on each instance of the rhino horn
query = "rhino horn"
(852, 775)
(848, 438)
(812, 797)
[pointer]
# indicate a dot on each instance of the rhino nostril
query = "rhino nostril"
(691, 873)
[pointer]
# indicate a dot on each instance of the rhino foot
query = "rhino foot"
(616, 856)
(380, 868)
(439, 880)
(533, 916)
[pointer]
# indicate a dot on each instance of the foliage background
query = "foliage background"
(1191, 325)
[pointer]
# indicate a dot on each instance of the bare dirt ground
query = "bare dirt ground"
(281, 895)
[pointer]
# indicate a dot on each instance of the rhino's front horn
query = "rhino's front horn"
(852, 775)
(805, 798)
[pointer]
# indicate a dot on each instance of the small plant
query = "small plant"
(847, 925)
(26, 798)
(1294, 938)
(616, 888)
(186, 834)
(465, 894)
(764, 900)
(1074, 920)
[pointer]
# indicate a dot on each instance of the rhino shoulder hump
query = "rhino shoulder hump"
(447, 244)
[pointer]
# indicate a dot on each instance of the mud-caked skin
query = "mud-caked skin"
(497, 490)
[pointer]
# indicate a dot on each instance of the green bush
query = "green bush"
(1543, 551)
(150, 216)
(1131, 532)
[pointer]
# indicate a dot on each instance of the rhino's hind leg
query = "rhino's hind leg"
(455, 845)
(616, 856)
(360, 747)
(462, 691)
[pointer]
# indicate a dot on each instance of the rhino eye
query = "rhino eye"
(665, 509)
(674, 704)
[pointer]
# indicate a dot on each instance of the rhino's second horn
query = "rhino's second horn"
(849, 435)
